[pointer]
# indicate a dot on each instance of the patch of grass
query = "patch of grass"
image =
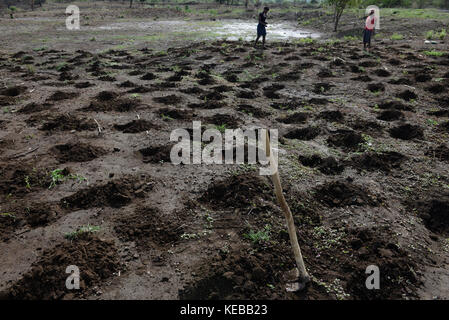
(397, 36)
(82, 230)
(433, 53)
(221, 127)
(8, 214)
(61, 175)
(260, 236)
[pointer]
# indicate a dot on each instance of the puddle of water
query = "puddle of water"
(233, 30)
(229, 29)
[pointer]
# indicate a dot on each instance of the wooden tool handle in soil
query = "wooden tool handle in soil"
(303, 275)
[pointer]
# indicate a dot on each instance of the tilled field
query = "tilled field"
(363, 158)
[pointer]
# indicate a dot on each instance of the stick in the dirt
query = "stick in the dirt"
(303, 275)
(99, 127)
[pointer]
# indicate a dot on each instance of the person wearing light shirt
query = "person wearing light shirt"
(370, 22)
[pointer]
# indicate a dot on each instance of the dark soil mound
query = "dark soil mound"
(327, 165)
(156, 154)
(35, 107)
(236, 192)
(346, 139)
(149, 224)
(407, 132)
(376, 87)
(441, 153)
(390, 115)
(148, 76)
(395, 105)
(298, 117)
(378, 161)
(13, 91)
(229, 121)
(109, 101)
(180, 114)
(68, 122)
(396, 268)
(17, 179)
(97, 260)
(407, 95)
(77, 152)
(248, 109)
(61, 95)
(436, 217)
(436, 89)
(208, 105)
(331, 115)
(30, 214)
(382, 73)
(308, 133)
(341, 193)
(135, 126)
(115, 194)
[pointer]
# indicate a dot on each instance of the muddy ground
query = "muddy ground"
(363, 158)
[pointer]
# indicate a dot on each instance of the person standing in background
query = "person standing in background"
(261, 27)
(370, 22)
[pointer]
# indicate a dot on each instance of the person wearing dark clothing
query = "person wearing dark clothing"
(261, 27)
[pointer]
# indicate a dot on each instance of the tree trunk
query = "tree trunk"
(130, 3)
(32, 5)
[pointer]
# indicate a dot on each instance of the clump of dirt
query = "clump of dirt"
(342, 193)
(180, 114)
(61, 95)
(237, 191)
(135, 126)
(395, 105)
(307, 133)
(21, 178)
(436, 89)
(407, 95)
(156, 154)
(115, 194)
(441, 153)
(397, 269)
(346, 139)
(407, 132)
(96, 259)
(208, 105)
(382, 73)
(83, 85)
(240, 274)
(376, 87)
(35, 107)
(390, 115)
(328, 165)
(77, 152)
(229, 121)
(109, 101)
(66, 122)
(149, 224)
(32, 214)
(372, 161)
(331, 115)
(169, 99)
(148, 76)
(249, 109)
(13, 91)
(298, 117)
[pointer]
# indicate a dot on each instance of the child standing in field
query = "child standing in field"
(369, 30)
(261, 27)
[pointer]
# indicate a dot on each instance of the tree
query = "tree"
(339, 6)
